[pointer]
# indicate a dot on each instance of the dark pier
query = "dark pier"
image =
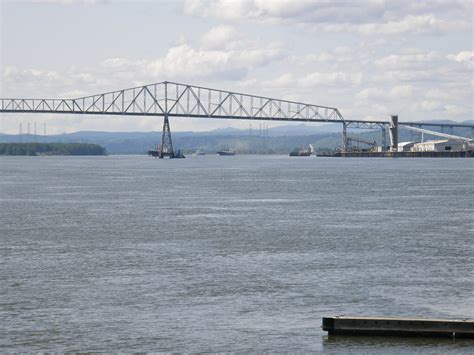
(407, 327)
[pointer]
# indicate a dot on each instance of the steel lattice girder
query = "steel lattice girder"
(365, 124)
(174, 99)
(181, 100)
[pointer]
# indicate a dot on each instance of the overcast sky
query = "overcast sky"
(368, 58)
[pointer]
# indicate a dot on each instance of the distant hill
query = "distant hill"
(210, 142)
(51, 149)
(280, 139)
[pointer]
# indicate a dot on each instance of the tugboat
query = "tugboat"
(156, 153)
(226, 152)
(302, 152)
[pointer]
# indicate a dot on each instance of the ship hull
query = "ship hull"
(300, 154)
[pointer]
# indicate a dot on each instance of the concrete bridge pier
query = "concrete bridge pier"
(393, 133)
(344, 136)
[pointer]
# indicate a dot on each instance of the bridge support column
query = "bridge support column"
(384, 137)
(393, 133)
(344, 136)
(166, 147)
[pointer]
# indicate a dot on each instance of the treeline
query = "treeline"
(51, 149)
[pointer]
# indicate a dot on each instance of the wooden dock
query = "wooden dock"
(408, 327)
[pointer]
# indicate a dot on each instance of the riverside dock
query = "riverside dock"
(388, 154)
(408, 327)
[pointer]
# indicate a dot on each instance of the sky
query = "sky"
(368, 58)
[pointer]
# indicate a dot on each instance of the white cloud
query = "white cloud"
(285, 80)
(464, 56)
(415, 60)
(402, 91)
(396, 92)
(369, 17)
(220, 54)
(430, 106)
(71, 2)
(337, 54)
(221, 37)
(232, 64)
(422, 24)
(330, 78)
(454, 110)
(370, 93)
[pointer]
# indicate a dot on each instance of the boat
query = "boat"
(156, 153)
(302, 152)
(226, 152)
(178, 155)
(199, 152)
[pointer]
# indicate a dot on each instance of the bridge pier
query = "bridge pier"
(393, 133)
(384, 137)
(166, 146)
(344, 136)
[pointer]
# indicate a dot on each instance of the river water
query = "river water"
(243, 253)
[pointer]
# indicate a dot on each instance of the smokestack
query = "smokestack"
(393, 133)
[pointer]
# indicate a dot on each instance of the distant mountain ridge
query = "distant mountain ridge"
(280, 139)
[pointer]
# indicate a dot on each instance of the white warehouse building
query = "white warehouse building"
(441, 145)
(406, 146)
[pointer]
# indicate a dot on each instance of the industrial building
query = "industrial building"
(440, 145)
(405, 146)
(449, 143)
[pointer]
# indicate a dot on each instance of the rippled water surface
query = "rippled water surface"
(243, 253)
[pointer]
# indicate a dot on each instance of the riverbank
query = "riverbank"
(51, 149)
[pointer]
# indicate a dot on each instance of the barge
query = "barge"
(408, 327)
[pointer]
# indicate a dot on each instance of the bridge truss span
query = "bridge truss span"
(193, 101)
(179, 100)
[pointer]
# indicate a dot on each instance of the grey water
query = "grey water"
(242, 253)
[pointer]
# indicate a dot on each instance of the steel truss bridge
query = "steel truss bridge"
(170, 99)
